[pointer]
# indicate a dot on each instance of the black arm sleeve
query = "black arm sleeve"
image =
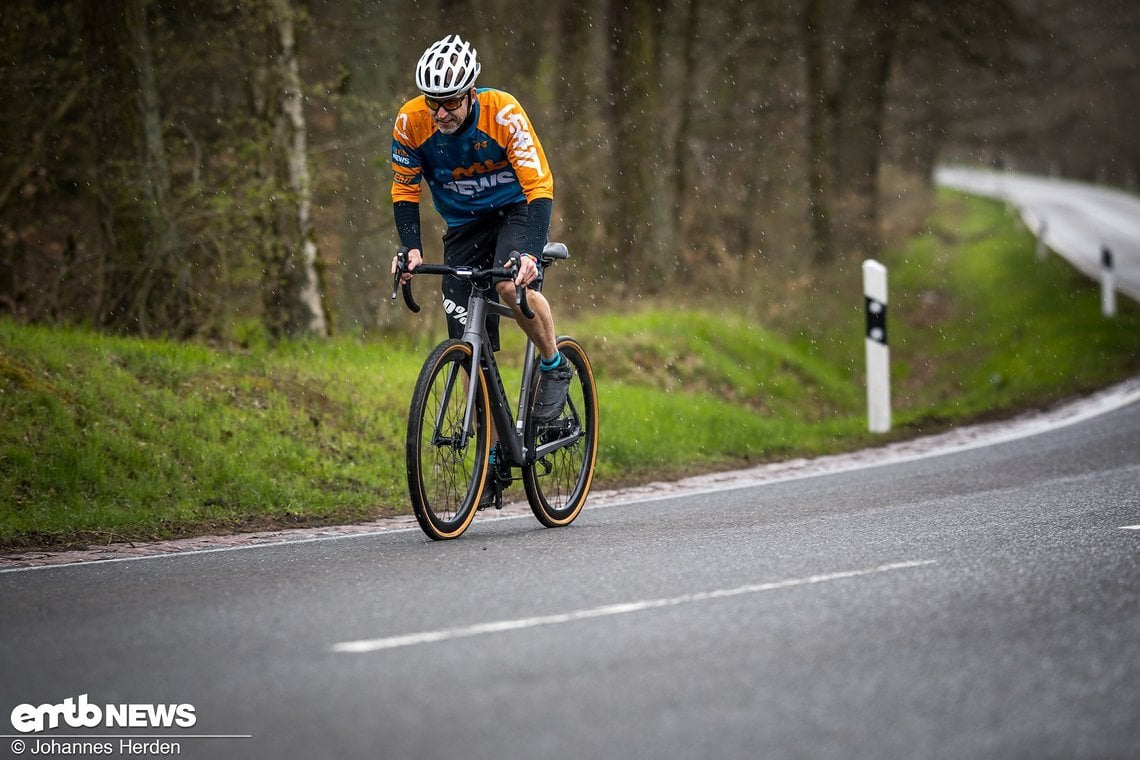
(408, 223)
(538, 214)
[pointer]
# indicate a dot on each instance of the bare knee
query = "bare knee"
(506, 290)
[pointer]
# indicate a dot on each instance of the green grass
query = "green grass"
(147, 439)
(112, 438)
(989, 328)
(684, 391)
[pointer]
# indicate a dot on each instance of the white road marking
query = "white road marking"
(499, 626)
(1130, 527)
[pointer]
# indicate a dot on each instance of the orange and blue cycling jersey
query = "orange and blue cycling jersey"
(496, 161)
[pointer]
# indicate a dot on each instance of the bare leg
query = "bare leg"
(540, 329)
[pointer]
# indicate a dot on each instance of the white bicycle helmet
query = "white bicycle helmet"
(447, 68)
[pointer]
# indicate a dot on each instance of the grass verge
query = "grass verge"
(109, 438)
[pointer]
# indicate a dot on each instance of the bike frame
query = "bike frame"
(450, 472)
(510, 427)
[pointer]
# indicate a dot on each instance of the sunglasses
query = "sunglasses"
(450, 105)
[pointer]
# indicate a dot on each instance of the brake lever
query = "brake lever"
(401, 268)
(520, 290)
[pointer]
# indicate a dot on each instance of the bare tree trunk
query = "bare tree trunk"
(141, 289)
(684, 183)
(818, 148)
(171, 306)
(297, 291)
(633, 110)
(366, 210)
(857, 140)
(578, 128)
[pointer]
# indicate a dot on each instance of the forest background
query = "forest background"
(210, 169)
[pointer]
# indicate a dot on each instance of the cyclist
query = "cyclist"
(490, 182)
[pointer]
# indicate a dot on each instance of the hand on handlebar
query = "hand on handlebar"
(415, 258)
(528, 270)
(403, 264)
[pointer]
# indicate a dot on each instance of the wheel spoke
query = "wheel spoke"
(446, 462)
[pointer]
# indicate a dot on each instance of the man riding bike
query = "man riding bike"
(490, 182)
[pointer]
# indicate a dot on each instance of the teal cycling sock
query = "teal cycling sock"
(554, 361)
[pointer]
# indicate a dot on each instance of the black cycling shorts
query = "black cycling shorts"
(490, 238)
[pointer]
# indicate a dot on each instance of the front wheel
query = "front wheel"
(566, 449)
(446, 456)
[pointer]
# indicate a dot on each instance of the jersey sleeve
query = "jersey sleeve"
(514, 131)
(406, 169)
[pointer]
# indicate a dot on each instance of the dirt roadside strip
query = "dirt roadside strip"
(959, 439)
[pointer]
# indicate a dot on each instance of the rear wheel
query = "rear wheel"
(558, 482)
(447, 460)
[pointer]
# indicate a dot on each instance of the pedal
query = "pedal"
(498, 478)
(493, 492)
(497, 489)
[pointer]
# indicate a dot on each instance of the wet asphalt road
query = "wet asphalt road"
(983, 604)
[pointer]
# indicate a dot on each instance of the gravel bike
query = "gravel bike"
(459, 396)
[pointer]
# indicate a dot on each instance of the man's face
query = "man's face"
(450, 113)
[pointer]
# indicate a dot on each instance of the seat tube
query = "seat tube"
(526, 383)
(473, 334)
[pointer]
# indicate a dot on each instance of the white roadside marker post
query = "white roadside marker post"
(878, 355)
(1041, 249)
(1107, 283)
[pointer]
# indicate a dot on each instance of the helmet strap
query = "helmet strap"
(470, 112)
